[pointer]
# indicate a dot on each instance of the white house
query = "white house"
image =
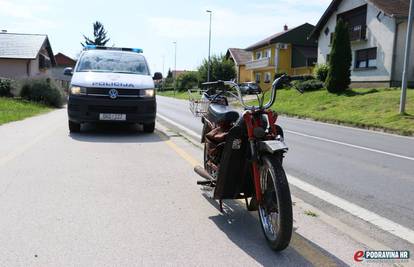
(25, 55)
(378, 30)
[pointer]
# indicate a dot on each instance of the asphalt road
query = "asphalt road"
(112, 196)
(372, 170)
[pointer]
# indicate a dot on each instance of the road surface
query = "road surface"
(372, 170)
(112, 196)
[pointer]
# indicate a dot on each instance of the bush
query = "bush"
(44, 91)
(187, 81)
(305, 77)
(309, 85)
(321, 72)
(5, 88)
(339, 75)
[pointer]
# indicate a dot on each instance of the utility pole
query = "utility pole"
(175, 67)
(406, 59)
(209, 47)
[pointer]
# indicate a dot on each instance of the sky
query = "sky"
(155, 25)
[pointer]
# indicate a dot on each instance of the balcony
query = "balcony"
(258, 64)
(358, 33)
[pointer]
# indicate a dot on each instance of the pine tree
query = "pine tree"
(99, 36)
(170, 74)
(339, 75)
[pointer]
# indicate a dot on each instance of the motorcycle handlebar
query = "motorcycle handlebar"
(271, 101)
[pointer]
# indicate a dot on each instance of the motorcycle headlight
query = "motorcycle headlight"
(148, 93)
(76, 90)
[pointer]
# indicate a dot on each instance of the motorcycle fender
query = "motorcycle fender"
(272, 146)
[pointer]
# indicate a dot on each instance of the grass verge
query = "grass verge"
(364, 108)
(17, 109)
(178, 95)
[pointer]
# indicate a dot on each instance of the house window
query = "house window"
(326, 31)
(259, 55)
(267, 77)
(331, 38)
(366, 58)
(258, 77)
(267, 53)
(357, 22)
(328, 57)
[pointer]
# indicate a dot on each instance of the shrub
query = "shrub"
(309, 85)
(187, 81)
(339, 75)
(305, 77)
(43, 90)
(5, 88)
(321, 72)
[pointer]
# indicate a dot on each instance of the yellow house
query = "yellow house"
(289, 52)
(240, 57)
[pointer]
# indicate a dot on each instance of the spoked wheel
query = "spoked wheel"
(275, 212)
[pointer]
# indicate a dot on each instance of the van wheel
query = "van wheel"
(149, 127)
(74, 127)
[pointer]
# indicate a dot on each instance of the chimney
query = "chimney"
(285, 28)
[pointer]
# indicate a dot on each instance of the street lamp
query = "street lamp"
(175, 67)
(209, 47)
(406, 59)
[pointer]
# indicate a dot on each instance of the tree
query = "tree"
(339, 75)
(99, 36)
(220, 69)
(170, 74)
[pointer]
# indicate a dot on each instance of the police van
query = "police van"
(111, 85)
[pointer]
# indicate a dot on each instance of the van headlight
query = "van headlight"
(76, 90)
(148, 93)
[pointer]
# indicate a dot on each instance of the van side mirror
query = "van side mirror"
(68, 71)
(157, 76)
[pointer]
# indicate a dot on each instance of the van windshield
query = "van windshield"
(112, 61)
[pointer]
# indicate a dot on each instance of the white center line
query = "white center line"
(350, 145)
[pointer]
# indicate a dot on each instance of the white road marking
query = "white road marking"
(362, 213)
(350, 145)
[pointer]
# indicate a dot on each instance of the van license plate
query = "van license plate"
(112, 117)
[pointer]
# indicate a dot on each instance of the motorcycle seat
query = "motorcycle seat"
(221, 113)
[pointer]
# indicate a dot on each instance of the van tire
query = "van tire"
(74, 127)
(149, 127)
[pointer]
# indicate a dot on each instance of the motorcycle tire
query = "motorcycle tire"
(275, 212)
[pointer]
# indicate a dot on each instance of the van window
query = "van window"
(112, 61)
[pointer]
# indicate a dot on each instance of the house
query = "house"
(240, 57)
(64, 61)
(25, 55)
(377, 30)
(289, 51)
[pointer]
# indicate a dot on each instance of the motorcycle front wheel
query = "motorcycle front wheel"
(275, 211)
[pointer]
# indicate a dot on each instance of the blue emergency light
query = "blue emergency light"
(92, 47)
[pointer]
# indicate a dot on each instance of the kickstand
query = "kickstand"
(247, 203)
(221, 205)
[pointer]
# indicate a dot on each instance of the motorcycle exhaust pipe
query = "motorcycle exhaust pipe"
(203, 173)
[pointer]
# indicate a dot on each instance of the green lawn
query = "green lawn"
(367, 108)
(16, 109)
(179, 95)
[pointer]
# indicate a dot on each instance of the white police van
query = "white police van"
(111, 85)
